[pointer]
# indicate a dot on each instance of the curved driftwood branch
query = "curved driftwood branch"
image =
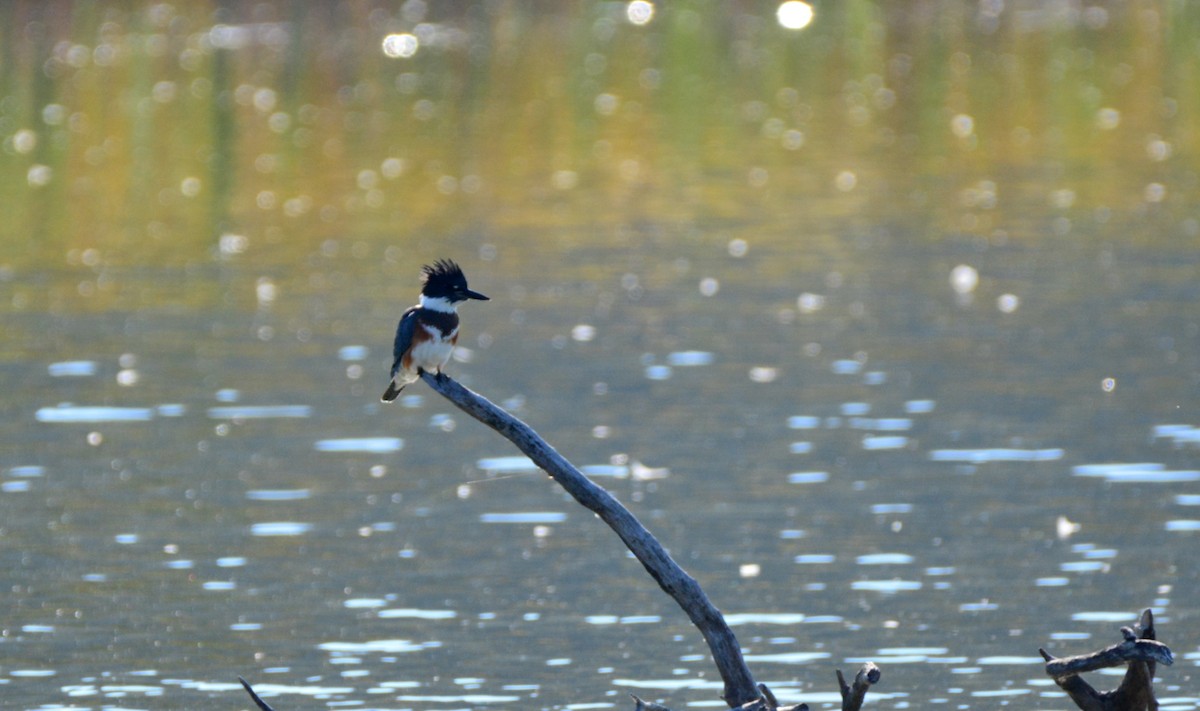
(740, 688)
(1136, 693)
(257, 701)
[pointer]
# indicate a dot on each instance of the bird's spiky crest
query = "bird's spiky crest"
(442, 269)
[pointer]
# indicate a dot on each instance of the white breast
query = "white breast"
(433, 354)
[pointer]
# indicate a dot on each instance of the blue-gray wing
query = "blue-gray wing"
(404, 337)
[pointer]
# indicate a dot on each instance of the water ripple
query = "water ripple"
(259, 412)
(72, 368)
(506, 465)
(417, 614)
(524, 517)
(280, 528)
(75, 413)
(376, 646)
(787, 657)
(765, 618)
(1140, 473)
(982, 456)
(885, 559)
(690, 358)
(373, 445)
(886, 586)
(278, 494)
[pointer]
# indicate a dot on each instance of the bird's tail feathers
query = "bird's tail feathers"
(392, 392)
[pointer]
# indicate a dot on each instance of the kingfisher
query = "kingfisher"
(427, 332)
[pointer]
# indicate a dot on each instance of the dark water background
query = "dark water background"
(887, 327)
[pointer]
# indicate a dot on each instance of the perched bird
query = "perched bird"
(427, 332)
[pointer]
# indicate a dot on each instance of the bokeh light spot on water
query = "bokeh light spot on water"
(232, 244)
(639, 12)
(190, 187)
(1108, 118)
(38, 175)
(606, 104)
(1157, 149)
(962, 125)
(794, 15)
(810, 303)
(846, 181)
(24, 141)
(564, 179)
(763, 374)
(963, 279)
(1062, 198)
(400, 45)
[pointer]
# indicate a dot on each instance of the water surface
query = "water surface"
(885, 326)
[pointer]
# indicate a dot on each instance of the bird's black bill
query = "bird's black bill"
(475, 295)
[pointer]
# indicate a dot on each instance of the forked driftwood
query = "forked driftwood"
(1139, 650)
(854, 694)
(740, 690)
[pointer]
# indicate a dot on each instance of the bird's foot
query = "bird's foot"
(441, 377)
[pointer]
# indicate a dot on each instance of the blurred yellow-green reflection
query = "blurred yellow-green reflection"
(145, 132)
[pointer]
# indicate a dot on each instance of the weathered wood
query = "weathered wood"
(739, 686)
(257, 701)
(854, 694)
(1137, 650)
(1136, 693)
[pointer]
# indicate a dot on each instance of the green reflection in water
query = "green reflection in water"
(145, 133)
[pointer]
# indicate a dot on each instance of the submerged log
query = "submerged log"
(1139, 650)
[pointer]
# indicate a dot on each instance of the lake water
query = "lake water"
(887, 328)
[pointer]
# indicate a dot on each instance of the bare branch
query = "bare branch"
(641, 705)
(739, 688)
(1129, 650)
(1138, 650)
(257, 701)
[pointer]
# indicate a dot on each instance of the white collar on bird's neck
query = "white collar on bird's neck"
(437, 303)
